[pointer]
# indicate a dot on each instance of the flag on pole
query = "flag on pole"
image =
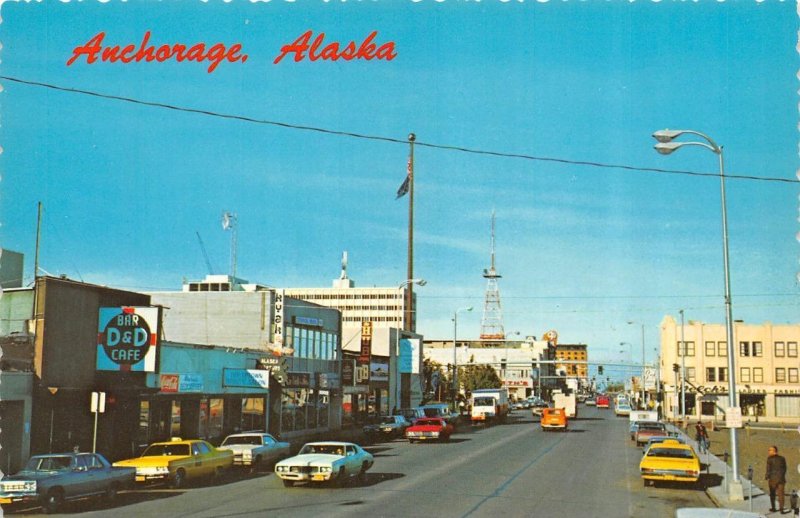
(406, 185)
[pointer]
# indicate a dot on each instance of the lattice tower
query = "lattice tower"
(492, 321)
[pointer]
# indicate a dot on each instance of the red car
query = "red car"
(602, 402)
(429, 429)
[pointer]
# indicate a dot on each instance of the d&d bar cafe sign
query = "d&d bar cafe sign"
(362, 364)
(127, 339)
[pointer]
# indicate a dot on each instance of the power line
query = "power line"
(392, 140)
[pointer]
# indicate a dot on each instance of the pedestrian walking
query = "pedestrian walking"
(776, 477)
(701, 436)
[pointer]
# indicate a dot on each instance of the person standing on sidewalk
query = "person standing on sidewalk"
(776, 477)
(701, 435)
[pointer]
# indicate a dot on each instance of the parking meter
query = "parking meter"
(750, 473)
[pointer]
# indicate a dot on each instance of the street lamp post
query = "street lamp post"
(644, 392)
(630, 358)
(666, 146)
(398, 336)
(455, 357)
(682, 350)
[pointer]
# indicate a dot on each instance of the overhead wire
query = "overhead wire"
(392, 140)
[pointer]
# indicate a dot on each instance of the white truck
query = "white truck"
(567, 402)
(489, 405)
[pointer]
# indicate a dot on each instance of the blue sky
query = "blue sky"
(582, 250)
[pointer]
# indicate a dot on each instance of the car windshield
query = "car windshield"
(670, 453)
(652, 426)
(242, 439)
(55, 463)
(156, 450)
(387, 420)
(429, 422)
(328, 449)
(484, 401)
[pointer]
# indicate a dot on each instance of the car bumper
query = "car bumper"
(674, 477)
(13, 498)
(305, 477)
(424, 437)
(151, 478)
(553, 425)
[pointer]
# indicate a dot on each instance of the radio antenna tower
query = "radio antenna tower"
(231, 222)
(492, 321)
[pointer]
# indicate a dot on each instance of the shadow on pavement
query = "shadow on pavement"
(709, 480)
(124, 498)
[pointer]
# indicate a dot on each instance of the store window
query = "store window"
(787, 406)
(294, 404)
(143, 433)
(253, 413)
(175, 426)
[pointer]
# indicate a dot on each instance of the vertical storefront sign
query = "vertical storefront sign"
(362, 364)
(409, 355)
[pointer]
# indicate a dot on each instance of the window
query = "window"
(711, 348)
(758, 349)
(711, 374)
(689, 348)
(791, 349)
(723, 374)
(744, 374)
(690, 374)
(758, 375)
(787, 406)
(744, 348)
(792, 375)
(722, 348)
(780, 375)
(780, 349)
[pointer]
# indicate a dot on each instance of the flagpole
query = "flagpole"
(407, 320)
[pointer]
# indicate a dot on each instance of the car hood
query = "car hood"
(141, 462)
(239, 448)
(311, 459)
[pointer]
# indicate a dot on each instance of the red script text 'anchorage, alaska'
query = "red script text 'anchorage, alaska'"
(302, 47)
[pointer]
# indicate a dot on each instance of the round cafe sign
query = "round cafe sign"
(126, 338)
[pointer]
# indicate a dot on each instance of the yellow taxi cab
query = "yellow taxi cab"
(178, 460)
(554, 419)
(670, 460)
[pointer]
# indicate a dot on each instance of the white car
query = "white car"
(255, 449)
(333, 462)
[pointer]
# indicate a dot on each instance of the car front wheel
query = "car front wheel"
(53, 501)
(178, 480)
(288, 483)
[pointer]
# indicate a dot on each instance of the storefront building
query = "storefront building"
(767, 369)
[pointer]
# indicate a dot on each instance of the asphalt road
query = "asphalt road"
(508, 470)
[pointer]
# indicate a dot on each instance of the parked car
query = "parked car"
(429, 429)
(554, 419)
(649, 429)
(622, 409)
(255, 449)
(178, 460)
(412, 414)
(333, 462)
(602, 401)
(670, 460)
(590, 401)
(55, 478)
(441, 410)
(390, 426)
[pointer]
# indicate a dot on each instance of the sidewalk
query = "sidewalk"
(716, 474)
